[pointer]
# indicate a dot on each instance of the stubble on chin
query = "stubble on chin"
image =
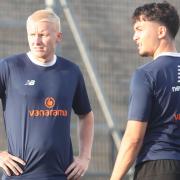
(144, 54)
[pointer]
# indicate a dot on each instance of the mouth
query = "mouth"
(138, 46)
(38, 49)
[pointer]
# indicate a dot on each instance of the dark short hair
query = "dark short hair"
(163, 13)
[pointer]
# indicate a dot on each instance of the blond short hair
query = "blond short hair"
(46, 16)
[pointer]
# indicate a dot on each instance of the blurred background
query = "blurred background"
(97, 35)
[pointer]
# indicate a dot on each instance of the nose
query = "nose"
(135, 36)
(37, 39)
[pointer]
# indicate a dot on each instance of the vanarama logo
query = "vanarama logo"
(177, 117)
(49, 103)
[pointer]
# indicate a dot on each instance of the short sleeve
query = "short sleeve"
(81, 104)
(140, 100)
(3, 77)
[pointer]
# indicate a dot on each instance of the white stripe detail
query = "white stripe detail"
(47, 64)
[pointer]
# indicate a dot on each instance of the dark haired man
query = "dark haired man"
(153, 128)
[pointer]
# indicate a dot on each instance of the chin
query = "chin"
(39, 55)
(144, 54)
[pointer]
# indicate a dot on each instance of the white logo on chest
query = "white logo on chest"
(30, 83)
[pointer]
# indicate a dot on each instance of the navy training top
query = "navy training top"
(155, 99)
(37, 103)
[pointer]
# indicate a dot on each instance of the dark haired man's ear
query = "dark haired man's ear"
(162, 32)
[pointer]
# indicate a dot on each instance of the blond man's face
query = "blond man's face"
(43, 37)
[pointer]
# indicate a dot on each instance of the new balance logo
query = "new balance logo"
(30, 83)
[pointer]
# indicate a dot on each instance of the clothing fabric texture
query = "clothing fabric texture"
(155, 99)
(37, 103)
(158, 170)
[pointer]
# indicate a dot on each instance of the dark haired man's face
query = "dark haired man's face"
(146, 37)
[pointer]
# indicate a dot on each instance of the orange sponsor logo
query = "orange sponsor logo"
(49, 103)
(177, 117)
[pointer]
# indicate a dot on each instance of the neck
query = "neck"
(165, 47)
(42, 62)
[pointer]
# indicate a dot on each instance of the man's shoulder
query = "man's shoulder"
(157, 68)
(14, 58)
(66, 61)
(154, 66)
(67, 64)
(146, 71)
(148, 66)
(159, 63)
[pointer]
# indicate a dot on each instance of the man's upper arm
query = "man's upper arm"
(3, 77)
(81, 104)
(141, 96)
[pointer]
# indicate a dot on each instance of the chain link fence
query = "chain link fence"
(106, 31)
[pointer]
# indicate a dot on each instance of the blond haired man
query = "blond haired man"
(38, 91)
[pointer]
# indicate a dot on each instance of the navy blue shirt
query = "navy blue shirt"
(155, 99)
(37, 103)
